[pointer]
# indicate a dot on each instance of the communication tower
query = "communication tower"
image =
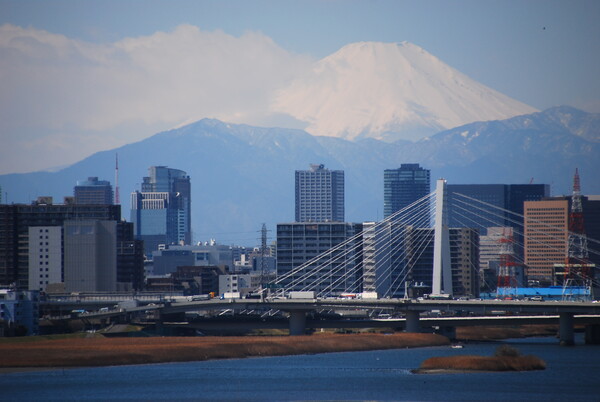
(117, 200)
(507, 277)
(578, 269)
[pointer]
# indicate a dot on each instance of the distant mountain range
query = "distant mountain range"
(243, 176)
(389, 91)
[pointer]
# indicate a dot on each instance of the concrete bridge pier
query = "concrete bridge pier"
(158, 328)
(412, 322)
(566, 330)
(592, 334)
(448, 332)
(297, 322)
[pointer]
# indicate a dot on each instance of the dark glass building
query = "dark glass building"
(403, 186)
(93, 191)
(161, 212)
(504, 204)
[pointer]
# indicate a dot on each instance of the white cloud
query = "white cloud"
(68, 98)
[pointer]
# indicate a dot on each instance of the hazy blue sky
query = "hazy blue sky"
(542, 53)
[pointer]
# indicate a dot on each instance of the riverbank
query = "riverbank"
(92, 352)
(491, 333)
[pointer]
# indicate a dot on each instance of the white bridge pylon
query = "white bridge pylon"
(379, 253)
(442, 266)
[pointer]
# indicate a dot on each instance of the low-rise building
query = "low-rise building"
(19, 312)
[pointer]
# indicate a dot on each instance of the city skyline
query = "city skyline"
(506, 196)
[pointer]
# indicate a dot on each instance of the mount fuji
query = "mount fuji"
(389, 91)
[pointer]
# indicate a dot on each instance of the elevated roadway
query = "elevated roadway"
(566, 313)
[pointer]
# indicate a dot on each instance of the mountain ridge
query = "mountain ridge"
(243, 176)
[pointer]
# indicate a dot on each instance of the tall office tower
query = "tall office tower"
(464, 251)
(164, 179)
(319, 195)
(403, 186)
(480, 206)
(130, 259)
(15, 241)
(93, 191)
(338, 272)
(161, 212)
(496, 200)
(546, 238)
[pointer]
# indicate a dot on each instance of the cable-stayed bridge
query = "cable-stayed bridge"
(392, 263)
(415, 247)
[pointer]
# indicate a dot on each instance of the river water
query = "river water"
(572, 374)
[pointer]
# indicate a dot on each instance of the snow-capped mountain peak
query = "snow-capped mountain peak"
(389, 91)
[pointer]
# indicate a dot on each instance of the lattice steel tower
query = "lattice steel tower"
(507, 280)
(578, 267)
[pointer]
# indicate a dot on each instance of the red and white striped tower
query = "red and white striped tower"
(577, 264)
(507, 280)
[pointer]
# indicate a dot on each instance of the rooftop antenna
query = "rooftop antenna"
(263, 252)
(117, 200)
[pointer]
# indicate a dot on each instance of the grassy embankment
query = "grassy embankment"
(488, 333)
(81, 352)
(505, 359)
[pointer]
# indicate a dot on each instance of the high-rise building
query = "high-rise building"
(319, 195)
(161, 212)
(90, 249)
(546, 238)
(403, 186)
(130, 259)
(500, 204)
(339, 271)
(93, 191)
